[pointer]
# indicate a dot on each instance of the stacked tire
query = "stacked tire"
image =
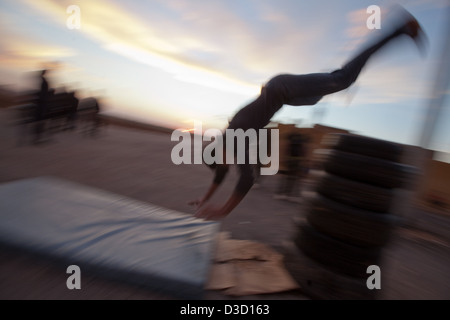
(349, 219)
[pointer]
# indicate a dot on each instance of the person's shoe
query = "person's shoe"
(413, 29)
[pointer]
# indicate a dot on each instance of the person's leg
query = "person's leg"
(348, 74)
(309, 88)
(299, 90)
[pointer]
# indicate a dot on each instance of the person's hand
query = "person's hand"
(211, 213)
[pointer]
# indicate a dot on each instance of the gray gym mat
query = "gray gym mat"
(116, 236)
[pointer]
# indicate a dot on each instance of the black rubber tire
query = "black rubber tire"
(370, 147)
(336, 255)
(379, 172)
(351, 225)
(356, 194)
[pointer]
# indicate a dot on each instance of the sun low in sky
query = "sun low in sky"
(165, 62)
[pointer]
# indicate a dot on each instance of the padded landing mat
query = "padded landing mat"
(119, 237)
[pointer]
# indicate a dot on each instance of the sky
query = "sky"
(173, 62)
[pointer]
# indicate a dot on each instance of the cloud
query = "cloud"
(208, 43)
(213, 44)
(24, 53)
(21, 51)
(123, 33)
(26, 48)
(358, 23)
(357, 32)
(440, 4)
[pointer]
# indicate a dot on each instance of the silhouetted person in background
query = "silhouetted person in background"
(88, 112)
(294, 168)
(72, 112)
(41, 106)
(295, 90)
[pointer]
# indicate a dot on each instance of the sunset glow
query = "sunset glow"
(162, 62)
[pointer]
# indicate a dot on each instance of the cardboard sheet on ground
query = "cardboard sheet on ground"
(244, 267)
(101, 231)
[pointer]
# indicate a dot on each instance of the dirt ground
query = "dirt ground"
(137, 164)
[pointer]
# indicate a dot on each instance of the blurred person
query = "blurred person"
(41, 106)
(88, 112)
(294, 164)
(295, 90)
(73, 102)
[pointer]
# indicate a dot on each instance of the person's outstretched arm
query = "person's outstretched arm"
(243, 186)
(211, 212)
(201, 201)
(220, 173)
